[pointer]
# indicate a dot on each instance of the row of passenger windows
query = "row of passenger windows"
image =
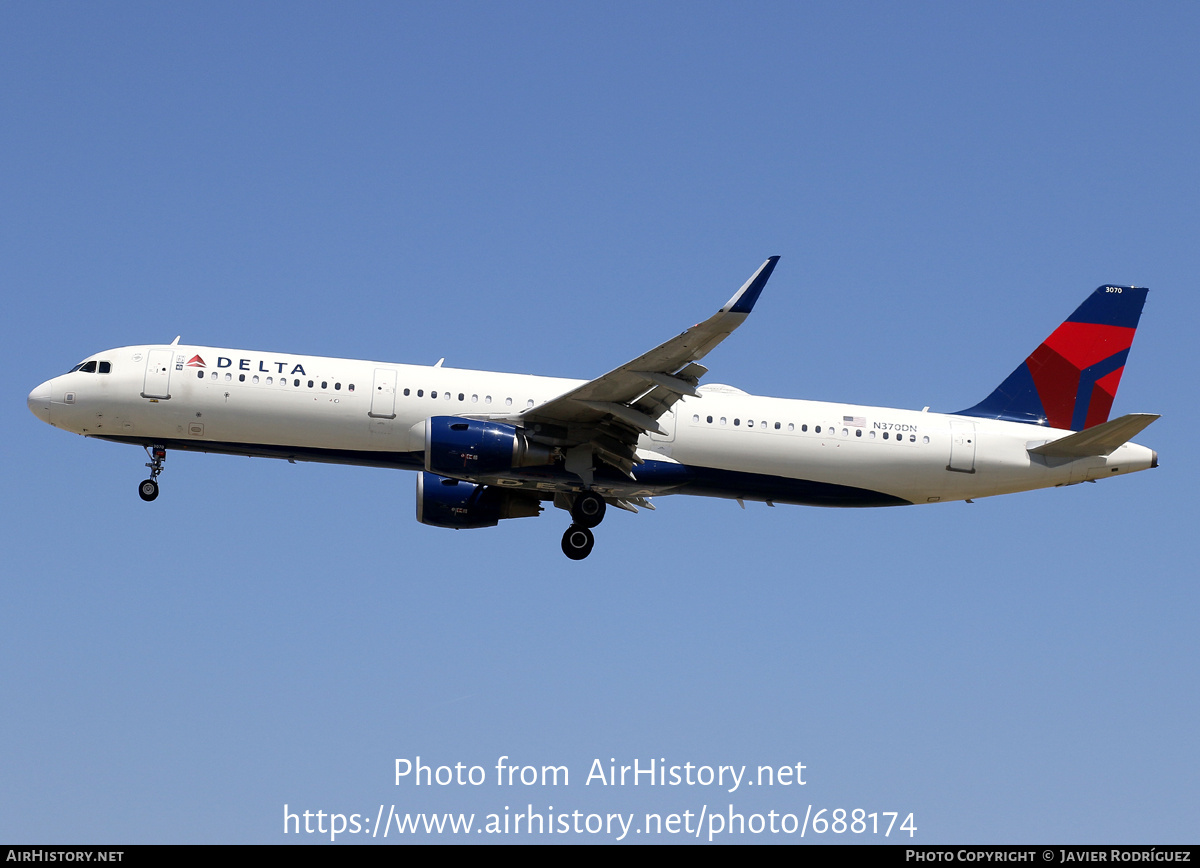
(92, 367)
(337, 387)
(270, 381)
(462, 396)
(830, 430)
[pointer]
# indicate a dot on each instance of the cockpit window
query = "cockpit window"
(90, 367)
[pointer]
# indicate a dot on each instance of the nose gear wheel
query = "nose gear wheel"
(148, 488)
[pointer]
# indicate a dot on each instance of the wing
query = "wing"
(603, 418)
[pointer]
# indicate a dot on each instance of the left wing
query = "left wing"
(604, 417)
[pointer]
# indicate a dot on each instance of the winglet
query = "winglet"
(744, 299)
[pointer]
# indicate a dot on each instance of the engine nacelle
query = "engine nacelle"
(470, 447)
(452, 503)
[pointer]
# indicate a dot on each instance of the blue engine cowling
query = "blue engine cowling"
(452, 503)
(470, 447)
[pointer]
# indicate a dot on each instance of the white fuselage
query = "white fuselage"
(721, 442)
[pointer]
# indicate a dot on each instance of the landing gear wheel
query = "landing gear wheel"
(577, 542)
(588, 509)
(148, 489)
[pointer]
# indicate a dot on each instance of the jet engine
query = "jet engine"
(470, 447)
(456, 504)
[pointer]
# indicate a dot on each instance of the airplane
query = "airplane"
(491, 446)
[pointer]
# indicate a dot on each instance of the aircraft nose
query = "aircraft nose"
(39, 401)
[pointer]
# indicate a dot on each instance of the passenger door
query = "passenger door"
(157, 383)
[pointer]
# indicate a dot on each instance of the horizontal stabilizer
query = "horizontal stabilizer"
(1100, 439)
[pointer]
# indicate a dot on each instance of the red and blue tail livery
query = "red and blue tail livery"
(1071, 379)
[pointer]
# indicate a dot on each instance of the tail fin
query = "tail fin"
(1070, 381)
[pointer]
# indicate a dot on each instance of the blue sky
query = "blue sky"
(555, 189)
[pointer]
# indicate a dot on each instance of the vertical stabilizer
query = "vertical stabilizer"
(1071, 379)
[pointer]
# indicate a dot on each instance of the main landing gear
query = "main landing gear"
(586, 512)
(148, 488)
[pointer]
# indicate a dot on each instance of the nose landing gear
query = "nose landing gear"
(148, 488)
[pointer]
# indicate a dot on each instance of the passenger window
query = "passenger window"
(241, 378)
(270, 381)
(200, 375)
